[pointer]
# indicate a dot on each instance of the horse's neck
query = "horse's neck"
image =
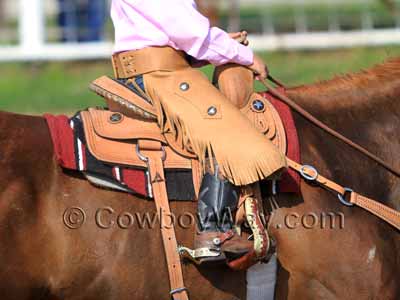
(369, 116)
(364, 96)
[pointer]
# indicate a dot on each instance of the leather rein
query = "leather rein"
(323, 126)
(311, 174)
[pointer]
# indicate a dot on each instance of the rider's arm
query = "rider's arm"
(190, 31)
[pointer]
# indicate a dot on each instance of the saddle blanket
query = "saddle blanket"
(72, 153)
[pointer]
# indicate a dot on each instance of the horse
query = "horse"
(63, 238)
(358, 257)
(44, 255)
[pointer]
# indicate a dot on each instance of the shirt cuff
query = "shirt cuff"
(245, 56)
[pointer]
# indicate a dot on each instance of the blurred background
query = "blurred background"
(51, 49)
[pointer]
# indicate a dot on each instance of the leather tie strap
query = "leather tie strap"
(153, 153)
(380, 210)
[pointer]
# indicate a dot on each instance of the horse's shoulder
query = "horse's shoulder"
(9, 120)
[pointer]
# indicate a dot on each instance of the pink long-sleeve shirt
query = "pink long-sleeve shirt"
(175, 23)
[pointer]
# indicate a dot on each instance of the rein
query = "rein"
(380, 210)
(323, 126)
(310, 174)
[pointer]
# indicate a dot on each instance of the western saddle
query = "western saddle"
(127, 133)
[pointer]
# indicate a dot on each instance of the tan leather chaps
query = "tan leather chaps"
(197, 115)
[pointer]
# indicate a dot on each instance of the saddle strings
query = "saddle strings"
(322, 125)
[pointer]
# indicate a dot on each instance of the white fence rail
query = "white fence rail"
(32, 43)
(315, 41)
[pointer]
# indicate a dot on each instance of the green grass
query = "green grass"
(62, 87)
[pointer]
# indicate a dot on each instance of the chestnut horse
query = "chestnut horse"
(361, 259)
(56, 245)
(43, 253)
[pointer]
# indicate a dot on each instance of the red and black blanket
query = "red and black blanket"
(72, 153)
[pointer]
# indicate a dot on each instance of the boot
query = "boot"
(218, 199)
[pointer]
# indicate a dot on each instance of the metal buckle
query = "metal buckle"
(179, 290)
(342, 198)
(306, 176)
(145, 158)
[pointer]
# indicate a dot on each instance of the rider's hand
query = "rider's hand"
(259, 68)
(240, 37)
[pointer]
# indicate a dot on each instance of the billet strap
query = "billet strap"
(153, 153)
(380, 210)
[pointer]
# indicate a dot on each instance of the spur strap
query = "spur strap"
(153, 154)
(380, 210)
(323, 126)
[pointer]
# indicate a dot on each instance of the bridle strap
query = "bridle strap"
(275, 92)
(380, 210)
(154, 154)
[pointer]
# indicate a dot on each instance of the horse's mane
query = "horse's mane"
(359, 86)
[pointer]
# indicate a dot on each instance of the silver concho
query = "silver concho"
(115, 118)
(212, 111)
(216, 241)
(258, 105)
(184, 86)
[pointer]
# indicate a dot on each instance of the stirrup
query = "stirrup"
(213, 253)
(198, 255)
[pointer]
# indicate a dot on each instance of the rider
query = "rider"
(158, 42)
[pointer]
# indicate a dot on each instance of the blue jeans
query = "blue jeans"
(82, 21)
